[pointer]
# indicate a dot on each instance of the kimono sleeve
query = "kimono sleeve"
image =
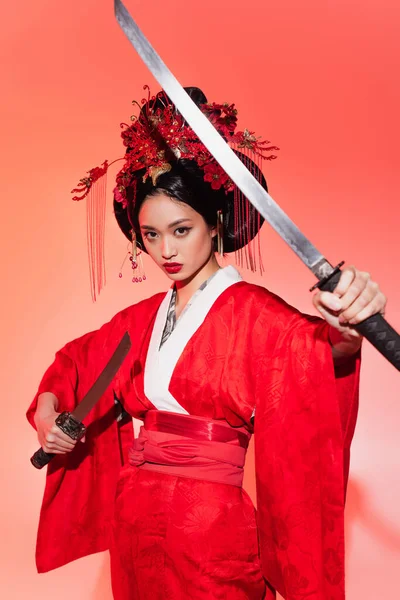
(61, 378)
(80, 486)
(305, 417)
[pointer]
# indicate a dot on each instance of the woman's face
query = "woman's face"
(175, 236)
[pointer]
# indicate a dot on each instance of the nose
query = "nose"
(168, 249)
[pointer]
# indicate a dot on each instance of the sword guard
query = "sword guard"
(69, 425)
(329, 283)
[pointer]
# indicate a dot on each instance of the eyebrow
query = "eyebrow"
(174, 224)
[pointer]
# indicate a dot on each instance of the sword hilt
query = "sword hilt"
(69, 425)
(375, 329)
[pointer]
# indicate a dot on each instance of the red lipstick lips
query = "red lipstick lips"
(172, 267)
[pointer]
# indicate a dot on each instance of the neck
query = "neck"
(185, 289)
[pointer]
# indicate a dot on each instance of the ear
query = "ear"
(213, 231)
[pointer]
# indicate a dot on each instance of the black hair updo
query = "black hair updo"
(185, 183)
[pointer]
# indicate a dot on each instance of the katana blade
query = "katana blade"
(375, 329)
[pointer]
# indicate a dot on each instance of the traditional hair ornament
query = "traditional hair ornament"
(156, 137)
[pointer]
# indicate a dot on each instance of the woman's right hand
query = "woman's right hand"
(51, 438)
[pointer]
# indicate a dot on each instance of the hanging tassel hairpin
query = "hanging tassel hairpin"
(94, 186)
(134, 253)
(95, 228)
(220, 232)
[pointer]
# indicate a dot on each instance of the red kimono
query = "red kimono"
(238, 348)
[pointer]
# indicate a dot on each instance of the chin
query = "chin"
(177, 276)
(183, 275)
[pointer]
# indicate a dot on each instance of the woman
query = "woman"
(212, 361)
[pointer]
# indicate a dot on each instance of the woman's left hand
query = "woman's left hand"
(355, 298)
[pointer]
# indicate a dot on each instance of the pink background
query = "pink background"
(319, 79)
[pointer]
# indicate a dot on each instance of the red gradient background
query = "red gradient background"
(320, 78)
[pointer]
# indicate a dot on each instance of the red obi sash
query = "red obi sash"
(189, 446)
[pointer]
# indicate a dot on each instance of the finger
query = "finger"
(328, 301)
(346, 279)
(331, 317)
(64, 446)
(359, 304)
(55, 447)
(326, 313)
(375, 307)
(357, 287)
(55, 439)
(60, 435)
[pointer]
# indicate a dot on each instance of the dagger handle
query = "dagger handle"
(69, 425)
(41, 458)
(375, 329)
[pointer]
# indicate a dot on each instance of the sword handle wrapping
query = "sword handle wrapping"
(40, 459)
(375, 329)
(69, 425)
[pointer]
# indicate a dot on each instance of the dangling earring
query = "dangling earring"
(137, 264)
(135, 257)
(220, 232)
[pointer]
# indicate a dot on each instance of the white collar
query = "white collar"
(160, 363)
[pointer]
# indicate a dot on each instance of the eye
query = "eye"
(150, 235)
(181, 231)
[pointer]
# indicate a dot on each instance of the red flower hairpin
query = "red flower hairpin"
(158, 136)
